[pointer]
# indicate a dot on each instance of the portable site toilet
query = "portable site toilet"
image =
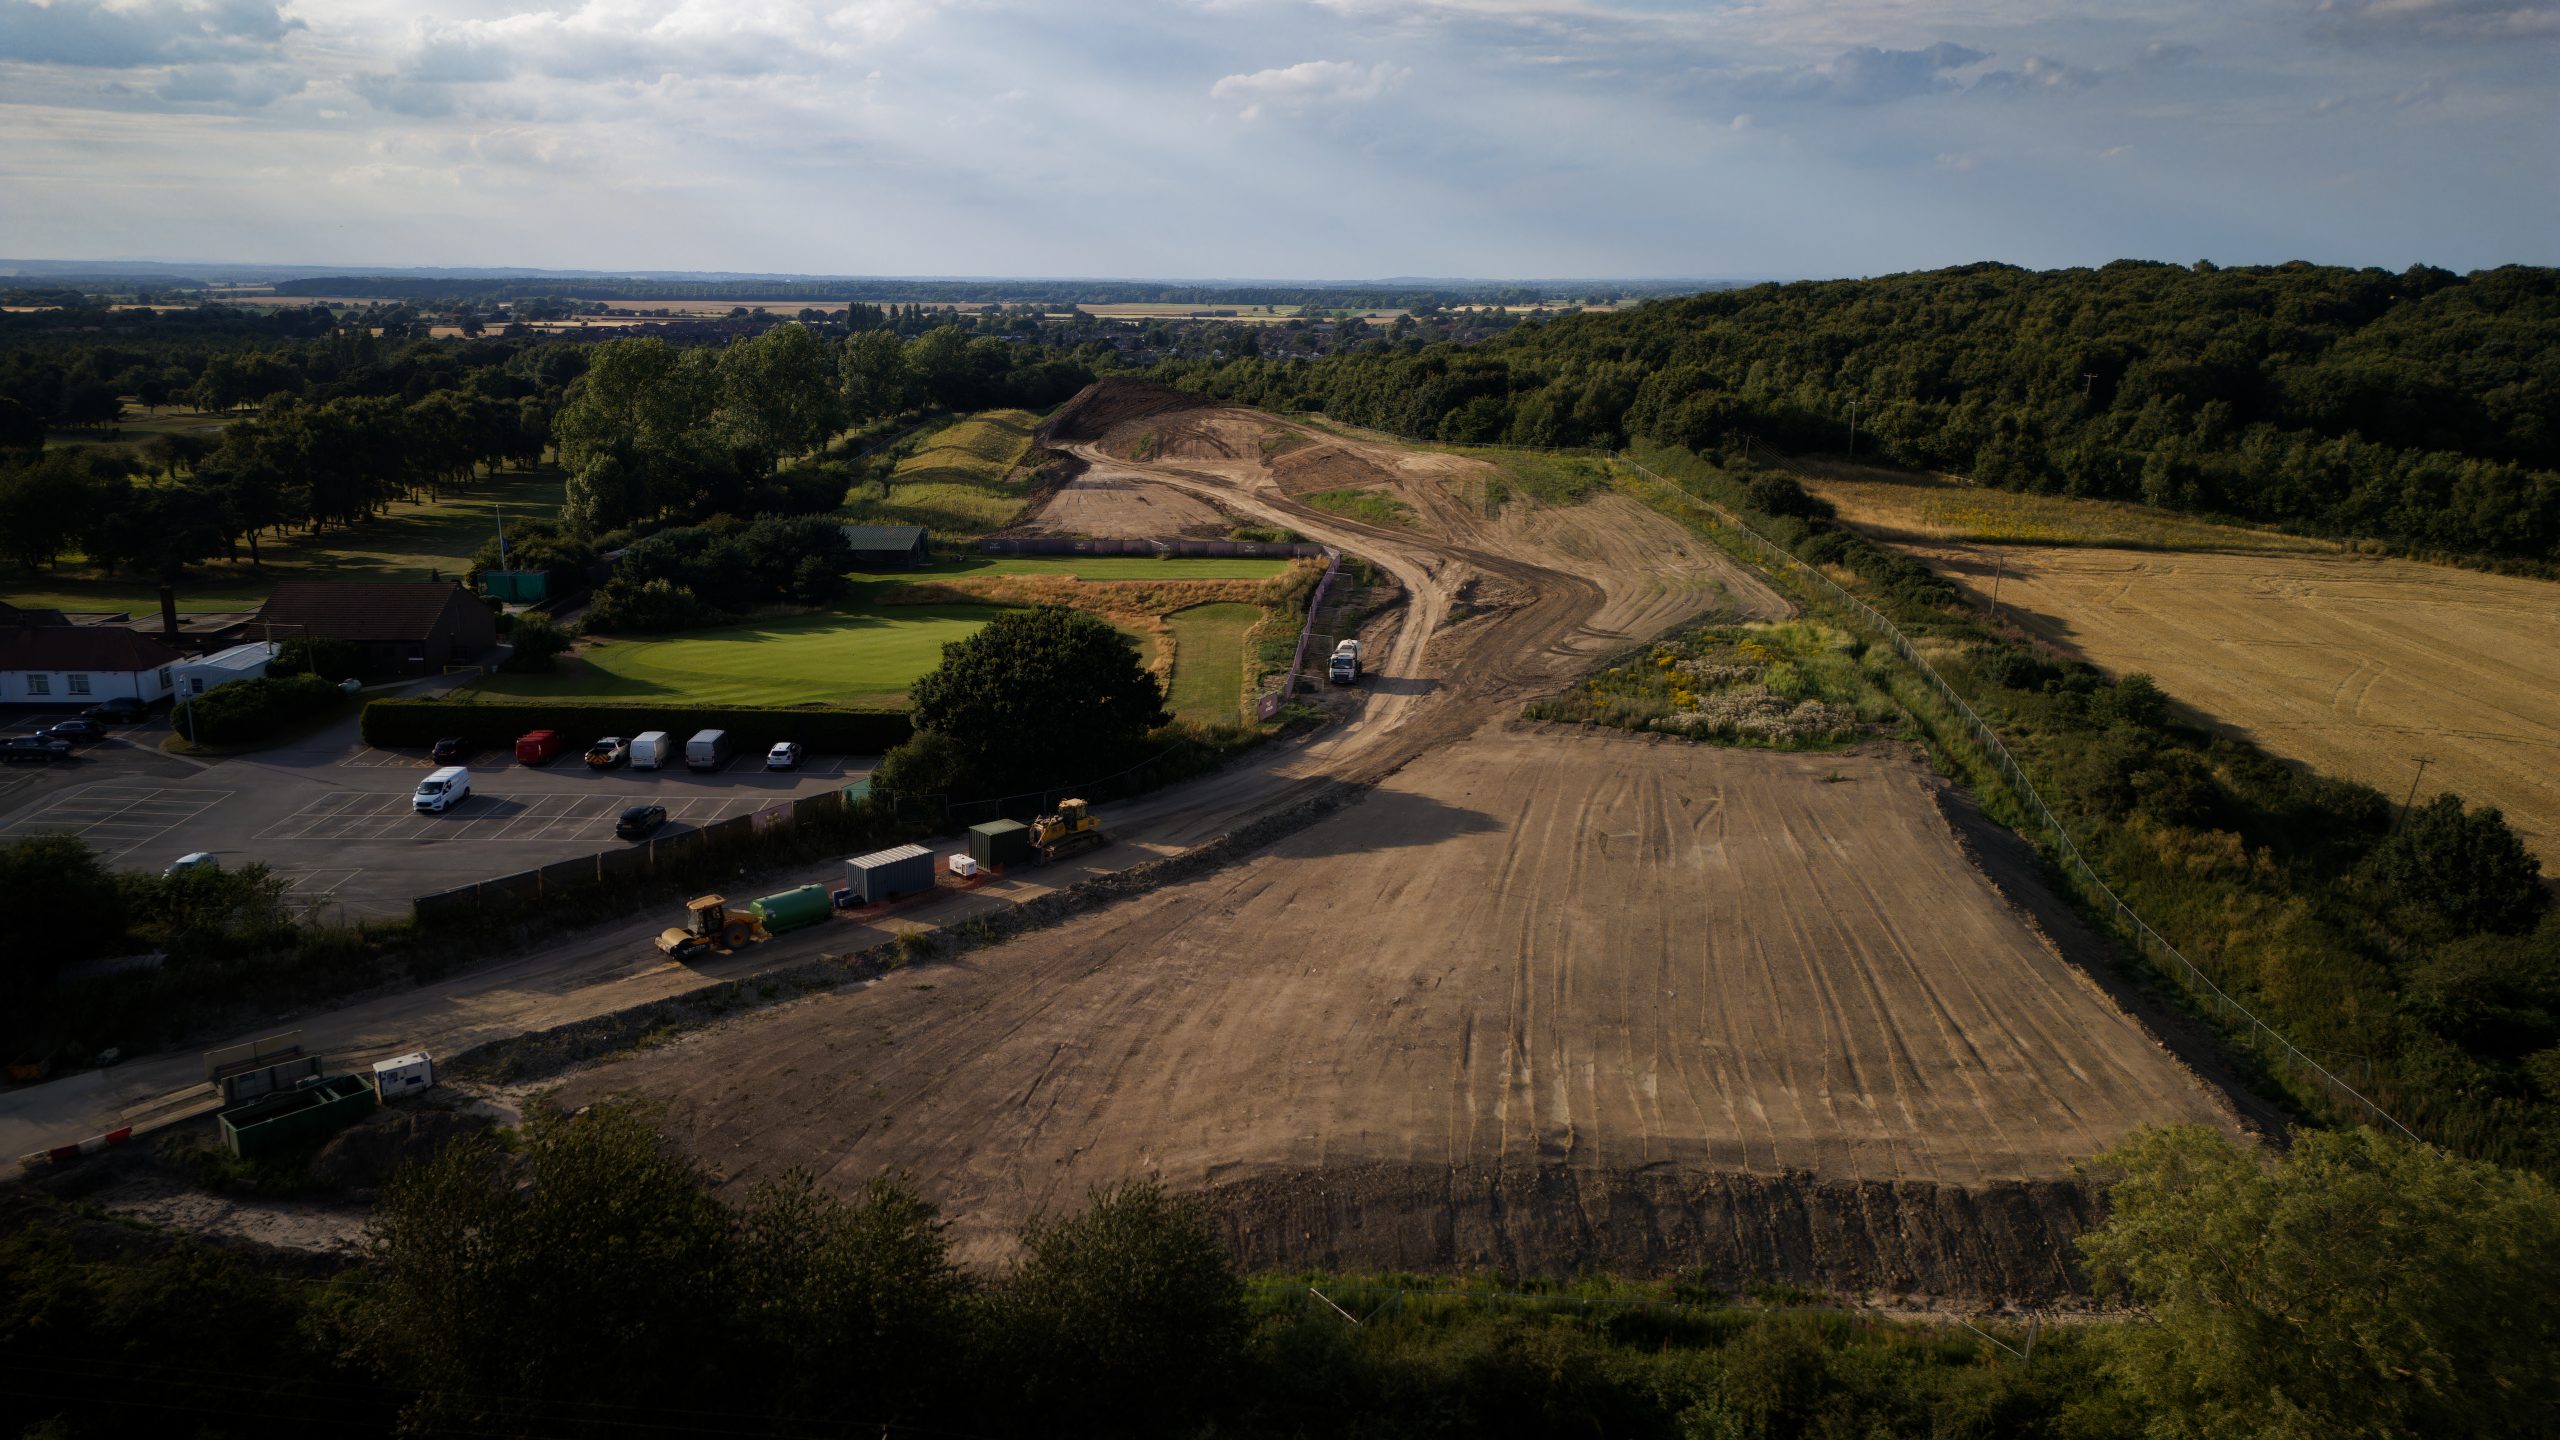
(999, 842)
(403, 1075)
(887, 874)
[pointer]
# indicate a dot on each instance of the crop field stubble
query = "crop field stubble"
(2355, 665)
(1538, 1000)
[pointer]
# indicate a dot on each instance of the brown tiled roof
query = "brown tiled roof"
(359, 610)
(82, 647)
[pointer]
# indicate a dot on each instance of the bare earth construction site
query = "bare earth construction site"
(1533, 999)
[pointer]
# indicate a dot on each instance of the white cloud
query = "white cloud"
(1308, 84)
(92, 33)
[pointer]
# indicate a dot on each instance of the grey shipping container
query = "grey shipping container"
(887, 874)
(1000, 842)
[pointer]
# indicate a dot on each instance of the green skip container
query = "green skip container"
(1000, 842)
(793, 909)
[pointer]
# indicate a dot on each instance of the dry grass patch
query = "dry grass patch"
(1895, 505)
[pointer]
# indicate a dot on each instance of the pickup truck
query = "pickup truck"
(608, 752)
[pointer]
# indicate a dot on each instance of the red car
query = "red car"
(537, 747)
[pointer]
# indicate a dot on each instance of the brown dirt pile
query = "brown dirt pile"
(1105, 404)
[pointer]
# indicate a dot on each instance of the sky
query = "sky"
(1304, 139)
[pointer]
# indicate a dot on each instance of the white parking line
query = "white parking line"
(316, 883)
(118, 819)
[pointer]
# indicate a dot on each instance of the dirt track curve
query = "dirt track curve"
(1539, 1001)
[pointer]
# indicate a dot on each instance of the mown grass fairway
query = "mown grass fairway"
(1208, 659)
(419, 540)
(838, 659)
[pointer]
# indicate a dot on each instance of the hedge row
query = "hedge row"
(396, 724)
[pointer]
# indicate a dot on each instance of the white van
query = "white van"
(707, 750)
(443, 790)
(649, 750)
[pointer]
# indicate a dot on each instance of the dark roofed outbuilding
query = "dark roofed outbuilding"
(889, 547)
(411, 627)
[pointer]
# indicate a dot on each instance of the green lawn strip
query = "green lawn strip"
(410, 541)
(1208, 659)
(1363, 505)
(1092, 567)
(836, 659)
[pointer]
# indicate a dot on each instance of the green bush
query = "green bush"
(254, 709)
(413, 723)
(538, 640)
(319, 655)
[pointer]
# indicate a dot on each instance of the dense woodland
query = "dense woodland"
(2421, 408)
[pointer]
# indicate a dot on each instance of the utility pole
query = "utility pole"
(1999, 567)
(1853, 429)
(2423, 762)
(2088, 378)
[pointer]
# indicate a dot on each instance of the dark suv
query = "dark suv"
(448, 751)
(122, 710)
(78, 732)
(639, 820)
(34, 750)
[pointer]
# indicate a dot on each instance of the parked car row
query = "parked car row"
(648, 750)
(54, 741)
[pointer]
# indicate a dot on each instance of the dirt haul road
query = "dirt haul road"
(1537, 627)
(1541, 1001)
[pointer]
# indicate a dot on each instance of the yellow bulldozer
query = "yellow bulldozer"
(710, 925)
(1071, 829)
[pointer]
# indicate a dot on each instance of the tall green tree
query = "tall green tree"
(1133, 1295)
(568, 1291)
(2354, 1286)
(1040, 696)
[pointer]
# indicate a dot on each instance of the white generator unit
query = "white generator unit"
(964, 865)
(403, 1075)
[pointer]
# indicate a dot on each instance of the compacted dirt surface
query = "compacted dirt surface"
(1586, 963)
(2352, 664)
(1538, 999)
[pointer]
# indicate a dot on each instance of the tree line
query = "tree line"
(585, 1279)
(2421, 408)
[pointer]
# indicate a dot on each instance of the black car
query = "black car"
(122, 710)
(639, 820)
(34, 750)
(448, 751)
(79, 732)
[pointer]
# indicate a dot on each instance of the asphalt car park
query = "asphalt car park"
(115, 820)
(487, 819)
(335, 818)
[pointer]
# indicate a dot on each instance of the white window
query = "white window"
(164, 677)
(79, 684)
(195, 684)
(39, 684)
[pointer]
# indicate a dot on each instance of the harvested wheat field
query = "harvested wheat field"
(1899, 505)
(1541, 1001)
(2352, 664)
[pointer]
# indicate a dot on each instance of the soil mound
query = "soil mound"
(1106, 403)
(1327, 467)
(363, 1157)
